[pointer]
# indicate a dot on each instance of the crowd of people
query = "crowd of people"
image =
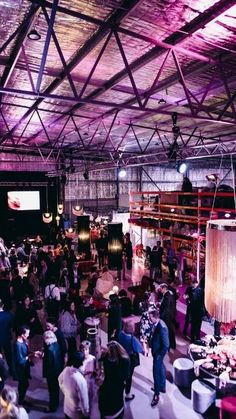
(40, 297)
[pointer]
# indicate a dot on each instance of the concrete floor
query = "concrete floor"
(174, 404)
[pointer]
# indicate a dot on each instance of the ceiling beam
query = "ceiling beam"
(25, 27)
(93, 41)
(120, 106)
(179, 36)
(128, 32)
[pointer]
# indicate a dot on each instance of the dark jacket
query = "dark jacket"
(21, 363)
(5, 294)
(159, 341)
(52, 361)
(62, 344)
(24, 316)
(126, 306)
(168, 307)
(114, 319)
(156, 257)
(129, 342)
(4, 371)
(6, 322)
(196, 303)
(128, 249)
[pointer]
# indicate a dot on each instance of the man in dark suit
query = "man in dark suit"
(196, 310)
(6, 322)
(101, 246)
(156, 261)
(159, 259)
(168, 312)
(159, 344)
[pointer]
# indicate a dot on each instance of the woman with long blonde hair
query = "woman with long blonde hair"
(8, 405)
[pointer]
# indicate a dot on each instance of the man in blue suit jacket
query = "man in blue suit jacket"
(159, 344)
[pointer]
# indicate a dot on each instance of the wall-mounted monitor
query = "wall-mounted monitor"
(23, 200)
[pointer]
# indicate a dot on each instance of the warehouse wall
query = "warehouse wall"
(101, 188)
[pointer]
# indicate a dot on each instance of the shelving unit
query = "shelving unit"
(181, 217)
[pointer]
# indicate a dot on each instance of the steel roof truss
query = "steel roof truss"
(46, 44)
(77, 131)
(224, 78)
(63, 61)
(128, 69)
(25, 127)
(7, 126)
(136, 138)
(156, 80)
(27, 68)
(95, 64)
(44, 129)
(109, 131)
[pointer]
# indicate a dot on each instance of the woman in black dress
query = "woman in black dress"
(114, 316)
(116, 365)
(128, 249)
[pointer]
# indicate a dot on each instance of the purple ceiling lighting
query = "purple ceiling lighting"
(106, 71)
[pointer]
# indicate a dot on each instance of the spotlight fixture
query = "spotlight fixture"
(213, 177)
(122, 173)
(34, 35)
(86, 174)
(181, 167)
(161, 101)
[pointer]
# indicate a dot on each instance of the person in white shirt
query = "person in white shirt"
(74, 387)
(52, 291)
(52, 298)
(104, 284)
(88, 369)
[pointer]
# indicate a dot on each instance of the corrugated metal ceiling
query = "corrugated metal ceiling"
(103, 84)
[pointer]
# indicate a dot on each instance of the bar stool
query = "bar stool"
(228, 408)
(183, 372)
(202, 396)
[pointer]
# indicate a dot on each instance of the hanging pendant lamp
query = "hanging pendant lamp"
(60, 208)
(77, 210)
(70, 232)
(47, 216)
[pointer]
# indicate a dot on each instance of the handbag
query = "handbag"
(36, 304)
(134, 356)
